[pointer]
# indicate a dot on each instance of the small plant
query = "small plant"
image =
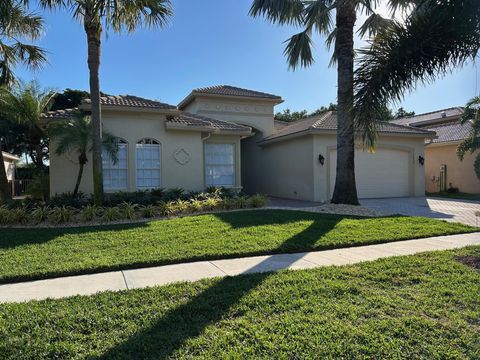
(241, 202)
(129, 210)
(257, 201)
(195, 205)
(111, 214)
(90, 212)
(19, 216)
(61, 214)
(40, 214)
(211, 203)
(4, 215)
(149, 211)
(158, 192)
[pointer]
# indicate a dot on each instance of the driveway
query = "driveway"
(444, 209)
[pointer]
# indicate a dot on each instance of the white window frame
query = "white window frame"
(121, 143)
(143, 142)
(234, 164)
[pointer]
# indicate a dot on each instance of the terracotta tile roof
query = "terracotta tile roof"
(131, 101)
(188, 120)
(453, 131)
(328, 122)
(430, 117)
(61, 114)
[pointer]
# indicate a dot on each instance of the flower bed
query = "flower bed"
(123, 207)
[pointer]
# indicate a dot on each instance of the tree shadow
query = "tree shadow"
(189, 320)
(14, 237)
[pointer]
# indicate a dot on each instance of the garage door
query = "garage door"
(385, 173)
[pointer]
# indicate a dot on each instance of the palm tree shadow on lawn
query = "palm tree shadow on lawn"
(189, 320)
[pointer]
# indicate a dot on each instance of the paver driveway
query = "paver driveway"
(463, 211)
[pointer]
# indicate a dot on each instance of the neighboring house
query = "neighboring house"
(227, 136)
(443, 169)
(9, 162)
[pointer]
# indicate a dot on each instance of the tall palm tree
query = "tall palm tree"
(118, 15)
(472, 143)
(435, 37)
(16, 23)
(335, 20)
(23, 104)
(75, 136)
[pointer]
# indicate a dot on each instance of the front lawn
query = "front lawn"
(41, 253)
(417, 307)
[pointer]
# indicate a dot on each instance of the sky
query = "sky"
(213, 42)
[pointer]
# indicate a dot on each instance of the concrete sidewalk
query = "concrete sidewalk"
(161, 275)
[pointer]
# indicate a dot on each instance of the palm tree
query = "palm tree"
(435, 37)
(472, 144)
(96, 15)
(318, 16)
(75, 135)
(16, 23)
(23, 104)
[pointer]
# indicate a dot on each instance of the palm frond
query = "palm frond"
(299, 50)
(318, 14)
(374, 24)
(281, 12)
(428, 45)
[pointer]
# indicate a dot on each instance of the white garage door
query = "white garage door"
(385, 173)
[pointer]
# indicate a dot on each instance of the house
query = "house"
(443, 169)
(227, 136)
(9, 162)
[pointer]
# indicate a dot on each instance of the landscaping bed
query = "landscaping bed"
(27, 254)
(424, 307)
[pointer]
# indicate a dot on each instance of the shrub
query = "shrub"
(257, 201)
(129, 210)
(173, 194)
(195, 205)
(149, 211)
(40, 214)
(241, 202)
(111, 214)
(19, 216)
(90, 212)
(61, 214)
(39, 187)
(4, 215)
(69, 200)
(211, 203)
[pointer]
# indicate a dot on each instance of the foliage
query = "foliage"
(110, 214)
(89, 212)
(70, 98)
(401, 113)
(61, 215)
(419, 307)
(48, 252)
(39, 187)
(22, 105)
(129, 210)
(290, 116)
(40, 214)
(257, 201)
(436, 36)
(472, 143)
(75, 136)
(16, 23)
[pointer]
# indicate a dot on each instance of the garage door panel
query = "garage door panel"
(385, 173)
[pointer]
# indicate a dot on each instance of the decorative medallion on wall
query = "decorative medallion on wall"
(182, 156)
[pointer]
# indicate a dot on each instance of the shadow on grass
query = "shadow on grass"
(189, 320)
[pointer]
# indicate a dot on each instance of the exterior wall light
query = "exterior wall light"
(421, 160)
(321, 159)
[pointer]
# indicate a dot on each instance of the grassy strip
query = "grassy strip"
(422, 307)
(40, 253)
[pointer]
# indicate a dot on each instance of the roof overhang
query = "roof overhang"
(87, 107)
(208, 129)
(267, 141)
(191, 97)
(10, 156)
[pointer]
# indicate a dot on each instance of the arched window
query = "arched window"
(115, 173)
(148, 161)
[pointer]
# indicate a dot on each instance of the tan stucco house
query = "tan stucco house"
(443, 169)
(9, 162)
(227, 136)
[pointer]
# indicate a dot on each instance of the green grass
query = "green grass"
(460, 196)
(424, 306)
(27, 254)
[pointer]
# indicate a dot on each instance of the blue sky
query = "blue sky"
(212, 42)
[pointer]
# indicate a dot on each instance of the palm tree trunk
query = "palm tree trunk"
(79, 179)
(345, 191)
(5, 190)
(93, 30)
